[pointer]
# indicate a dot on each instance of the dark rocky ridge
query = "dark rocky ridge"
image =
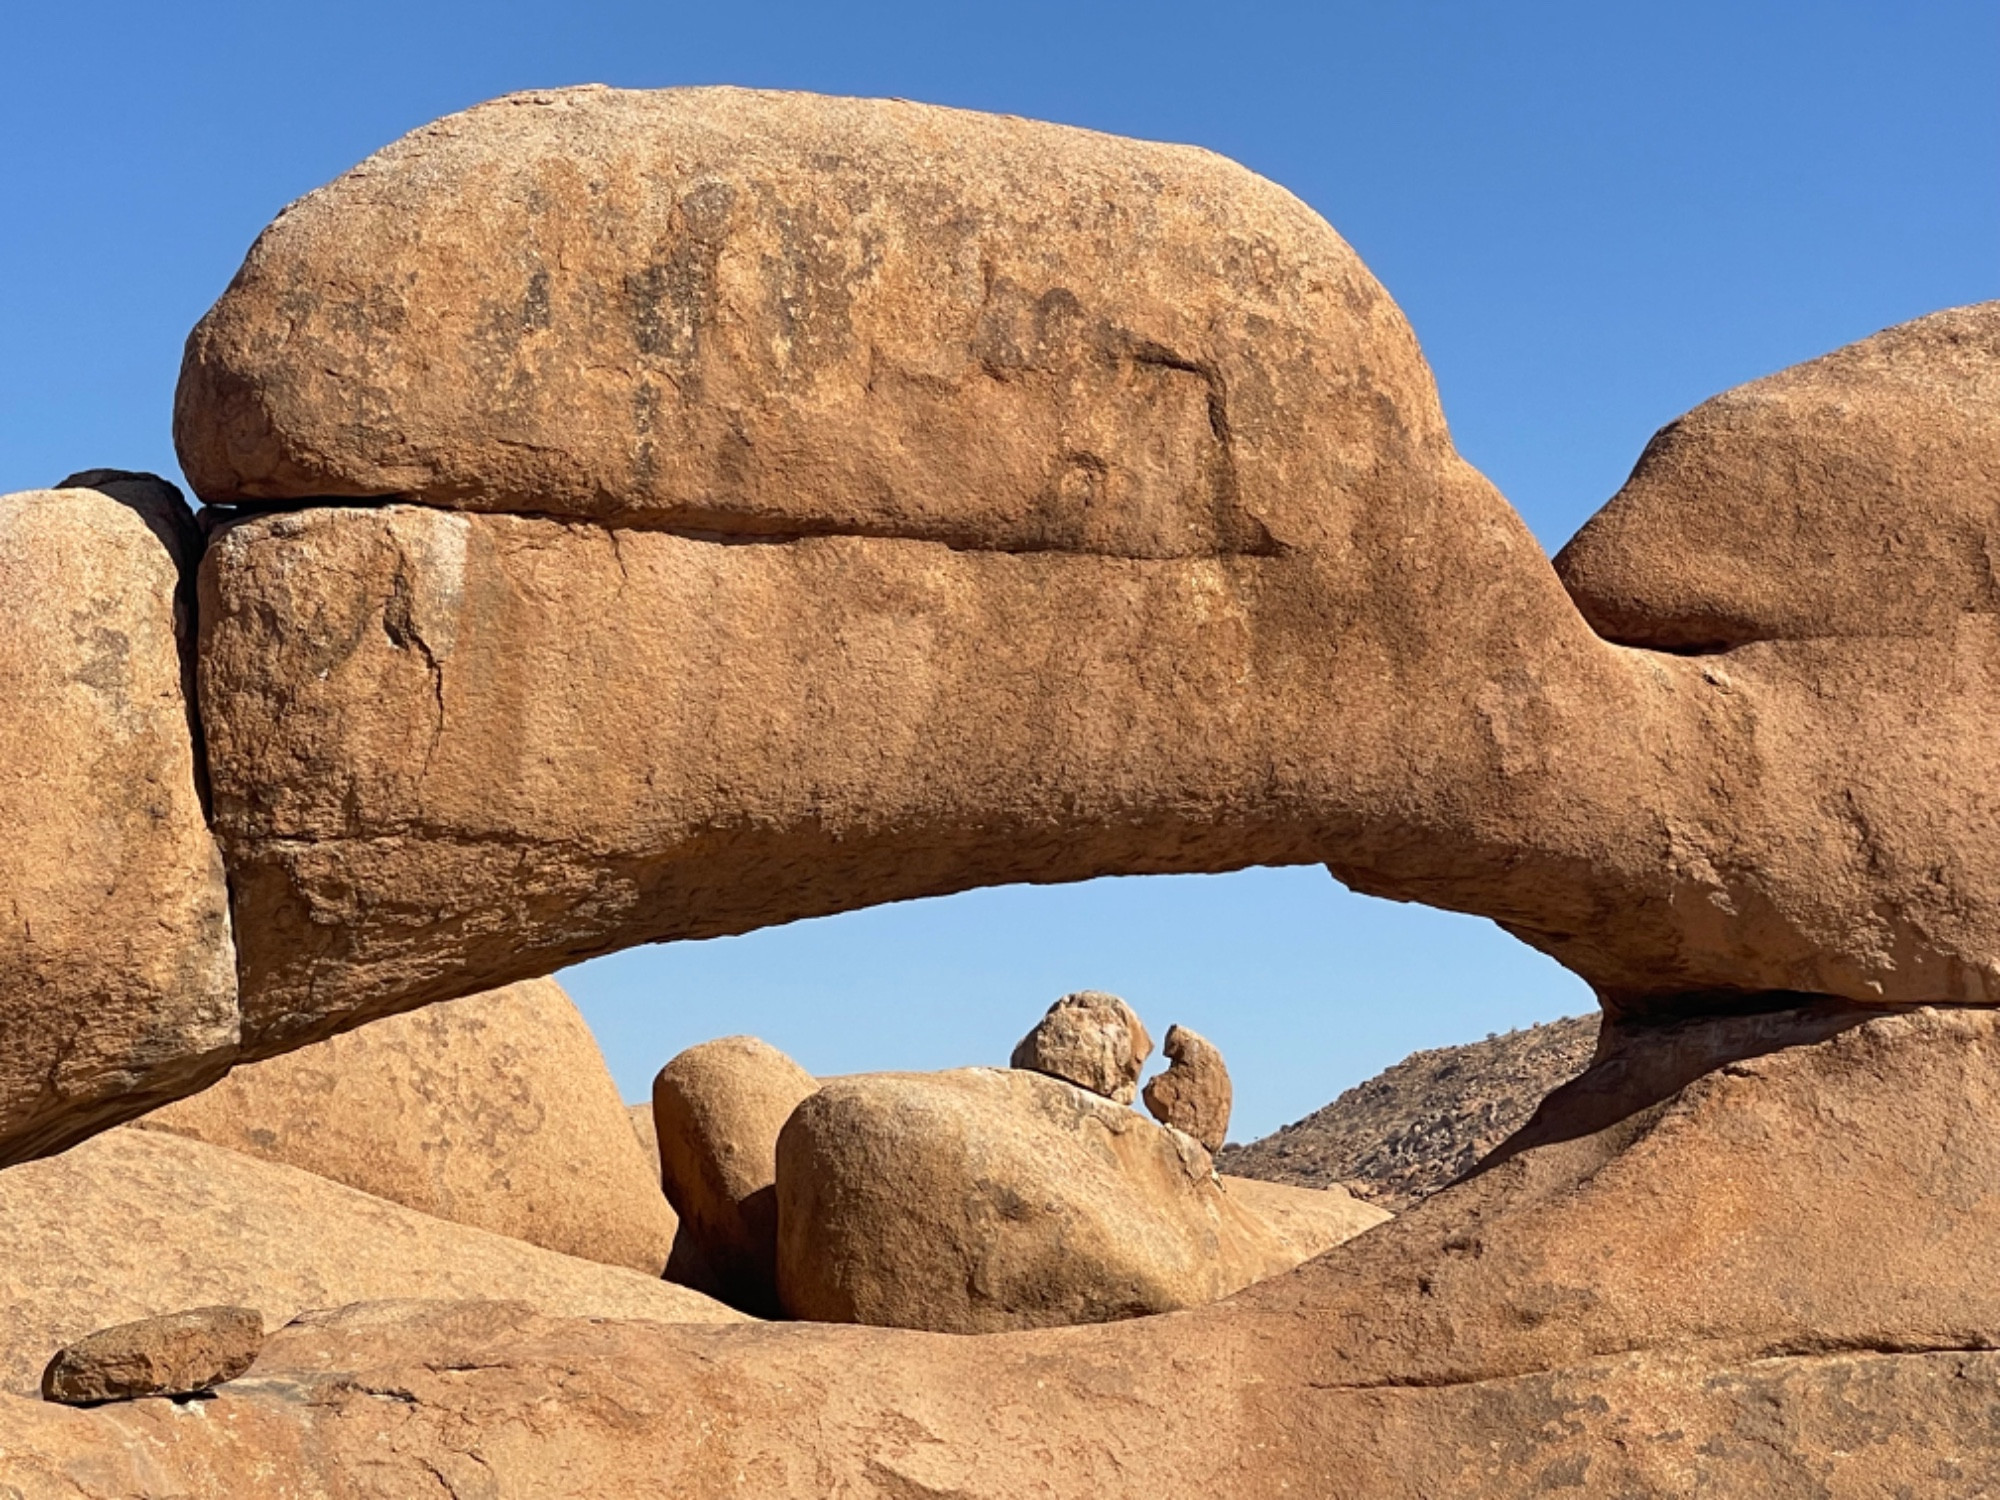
(1413, 1128)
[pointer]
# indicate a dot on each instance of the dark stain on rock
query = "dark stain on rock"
(535, 309)
(673, 298)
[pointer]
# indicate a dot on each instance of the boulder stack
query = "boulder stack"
(138, 1223)
(1093, 1040)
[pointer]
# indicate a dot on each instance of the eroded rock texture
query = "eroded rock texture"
(908, 500)
(717, 1110)
(986, 1199)
(138, 1223)
(1194, 1094)
(175, 1354)
(1603, 1313)
(496, 1110)
(117, 978)
(1850, 496)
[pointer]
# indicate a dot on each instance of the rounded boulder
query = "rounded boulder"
(987, 1199)
(717, 1109)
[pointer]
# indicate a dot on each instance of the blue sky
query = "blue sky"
(1594, 215)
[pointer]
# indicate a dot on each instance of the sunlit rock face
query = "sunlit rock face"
(803, 503)
(117, 977)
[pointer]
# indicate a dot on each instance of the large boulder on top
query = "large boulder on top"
(138, 1223)
(1848, 496)
(117, 978)
(987, 1199)
(1597, 1314)
(717, 1111)
(495, 1111)
(1093, 1040)
(1194, 1094)
(784, 314)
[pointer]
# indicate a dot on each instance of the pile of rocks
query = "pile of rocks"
(980, 1199)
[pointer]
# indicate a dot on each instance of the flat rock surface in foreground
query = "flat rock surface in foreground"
(1717, 1294)
(137, 1223)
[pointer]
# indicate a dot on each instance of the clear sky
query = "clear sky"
(1595, 215)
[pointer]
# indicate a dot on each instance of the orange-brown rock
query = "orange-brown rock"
(1093, 1040)
(1305, 1221)
(117, 979)
(717, 1111)
(1127, 409)
(1848, 496)
(643, 1131)
(1716, 1294)
(495, 1111)
(777, 314)
(987, 1199)
(175, 1354)
(1194, 1094)
(138, 1223)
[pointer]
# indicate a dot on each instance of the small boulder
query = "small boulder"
(1194, 1093)
(1093, 1040)
(181, 1354)
(988, 1199)
(717, 1110)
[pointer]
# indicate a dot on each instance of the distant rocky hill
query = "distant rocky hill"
(1412, 1129)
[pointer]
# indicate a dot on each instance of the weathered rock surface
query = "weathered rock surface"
(1093, 1040)
(779, 314)
(641, 1116)
(115, 958)
(1305, 1221)
(1421, 1125)
(1194, 1094)
(987, 1199)
(136, 1223)
(717, 1110)
(1598, 1314)
(1188, 466)
(176, 1354)
(495, 1111)
(1849, 496)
